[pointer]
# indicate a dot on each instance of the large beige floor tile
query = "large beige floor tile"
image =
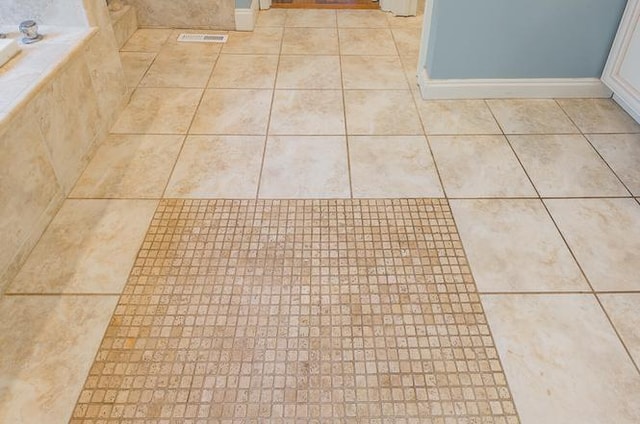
(369, 42)
(311, 18)
(271, 18)
(305, 167)
(373, 72)
(566, 166)
(47, 345)
(624, 311)
(407, 40)
(309, 112)
(599, 116)
(513, 246)
(392, 167)
(262, 40)
(309, 72)
(89, 247)
(362, 19)
(134, 166)
(563, 360)
(225, 111)
(244, 71)
(378, 112)
(184, 65)
(159, 111)
(147, 40)
(479, 166)
(457, 117)
(218, 167)
(622, 153)
(315, 41)
(535, 116)
(135, 65)
(604, 235)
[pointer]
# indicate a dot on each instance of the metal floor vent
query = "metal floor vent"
(203, 38)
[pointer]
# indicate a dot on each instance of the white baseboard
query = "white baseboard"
(511, 88)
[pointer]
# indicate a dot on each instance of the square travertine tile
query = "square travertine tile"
(622, 153)
(604, 235)
(47, 345)
(392, 167)
(599, 116)
(563, 360)
(479, 166)
(130, 166)
(368, 42)
(565, 166)
(513, 246)
(624, 311)
(135, 65)
(373, 72)
(262, 40)
(148, 40)
(457, 117)
(309, 72)
(407, 41)
(187, 65)
(233, 112)
(271, 18)
(314, 41)
(89, 247)
(381, 112)
(311, 18)
(305, 167)
(244, 71)
(217, 167)
(531, 116)
(362, 19)
(159, 111)
(322, 310)
(309, 112)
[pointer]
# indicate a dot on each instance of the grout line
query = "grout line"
(586, 138)
(459, 236)
(344, 113)
(595, 294)
(624, 345)
(273, 98)
(186, 136)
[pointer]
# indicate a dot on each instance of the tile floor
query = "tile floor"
(544, 193)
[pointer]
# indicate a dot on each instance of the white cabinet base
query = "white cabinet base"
(622, 73)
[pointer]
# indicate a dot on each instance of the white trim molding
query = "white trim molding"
(541, 88)
(621, 72)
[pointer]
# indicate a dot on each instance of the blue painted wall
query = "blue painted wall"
(521, 38)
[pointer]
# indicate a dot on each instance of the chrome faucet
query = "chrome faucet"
(30, 31)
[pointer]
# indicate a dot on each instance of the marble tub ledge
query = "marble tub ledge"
(24, 76)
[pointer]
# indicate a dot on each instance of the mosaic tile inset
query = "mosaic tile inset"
(299, 311)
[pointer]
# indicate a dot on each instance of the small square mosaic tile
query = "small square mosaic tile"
(299, 311)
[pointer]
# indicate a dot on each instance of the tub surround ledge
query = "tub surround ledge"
(58, 98)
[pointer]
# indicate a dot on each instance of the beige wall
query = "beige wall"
(210, 14)
(45, 12)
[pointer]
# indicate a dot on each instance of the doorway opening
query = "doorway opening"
(325, 4)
